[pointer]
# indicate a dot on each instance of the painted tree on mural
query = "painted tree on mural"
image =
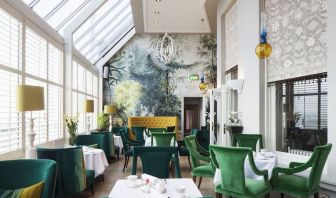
(208, 51)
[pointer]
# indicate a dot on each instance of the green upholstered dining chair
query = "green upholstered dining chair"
(71, 175)
(128, 150)
(283, 179)
(139, 133)
(248, 140)
(108, 147)
(203, 137)
(87, 140)
(116, 130)
(163, 139)
(157, 130)
(170, 129)
(16, 174)
(183, 150)
(194, 131)
(200, 159)
(156, 160)
(231, 161)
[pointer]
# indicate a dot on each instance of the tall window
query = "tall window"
(10, 75)
(84, 86)
(302, 108)
(232, 74)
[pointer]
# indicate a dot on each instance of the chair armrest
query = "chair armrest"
(134, 142)
(200, 157)
(289, 171)
(255, 169)
(294, 164)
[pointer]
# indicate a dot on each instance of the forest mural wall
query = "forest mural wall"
(141, 85)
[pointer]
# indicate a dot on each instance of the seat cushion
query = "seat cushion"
(90, 175)
(33, 191)
(254, 188)
(204, 170)
(290, 184)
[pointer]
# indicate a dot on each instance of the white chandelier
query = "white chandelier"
(166, 49)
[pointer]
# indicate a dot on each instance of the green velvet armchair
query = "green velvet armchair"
(231, 161)
(288, 183)
(197, 155)
(88, 140)
(127, 143)
(248, 140)
(108, 147)
(22, 173)
(157, 130)
(163, 139)
(156, 160)
(139, 134)
(71, 175)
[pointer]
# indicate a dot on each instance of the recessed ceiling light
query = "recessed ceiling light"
(156, 12)
(158, 0)
(156, 22)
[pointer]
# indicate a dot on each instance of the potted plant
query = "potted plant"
(102, 121)
(72, 126)
(234, 125)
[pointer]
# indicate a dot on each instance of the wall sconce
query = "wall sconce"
(235, 84)
(105, 71)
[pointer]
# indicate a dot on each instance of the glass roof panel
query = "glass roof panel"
(44, 7)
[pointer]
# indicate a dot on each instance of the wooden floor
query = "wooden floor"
(114, 172)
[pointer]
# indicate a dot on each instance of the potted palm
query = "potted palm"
(72, 126)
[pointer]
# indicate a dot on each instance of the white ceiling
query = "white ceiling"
(176, 16)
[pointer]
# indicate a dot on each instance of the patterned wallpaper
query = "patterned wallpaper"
(297, 33)
(231, 38)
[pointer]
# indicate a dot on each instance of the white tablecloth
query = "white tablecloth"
(95, 159)
(148, 142)
(118, 142)
(121, 189)
(262, 163)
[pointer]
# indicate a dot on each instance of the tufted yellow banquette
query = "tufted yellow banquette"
(152, 122)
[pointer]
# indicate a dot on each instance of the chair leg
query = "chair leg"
(125, 163)
(282, 195)
(103, 178)
(218, 195)
(199, 182)
(172, 164)
(316, 195)
(189, 161)
(194, 179)
(92, 192)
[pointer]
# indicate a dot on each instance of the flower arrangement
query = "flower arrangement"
(72, 125)
(234, 119)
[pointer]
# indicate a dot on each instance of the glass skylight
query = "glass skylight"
(101, 32)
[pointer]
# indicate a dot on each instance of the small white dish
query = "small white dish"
(180, 189)
(135, 184)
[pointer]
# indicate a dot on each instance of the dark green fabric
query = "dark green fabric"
(16, 174)
(71, 176)
(156, 160)
(294, 185)
(139, 134)
(108, 147)
(163, 139)
(194, 132)
(10, 193)
(90, 176)
(92, 139)
(248, 140)
(170, 129)
(203, 137)
(157, 130)
(198, 154)
(127, 142)
(231, 163)
(116, 130)
(183, 150)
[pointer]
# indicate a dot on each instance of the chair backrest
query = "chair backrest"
(116, 130)
(163, 139)
(157, 130)
(108, 147)
(91, 139)
(71, 176)
(317, 160)
(248, 140)
(170, 129)
(194, 131)
(156, 160)
(139, 133)
(231, 163)
(123, 135)
(203, 137)
(22, 173)
(192, 146)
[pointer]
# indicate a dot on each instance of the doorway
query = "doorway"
(192, 113)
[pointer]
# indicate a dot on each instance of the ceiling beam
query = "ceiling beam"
(138, 16)
(211, 12)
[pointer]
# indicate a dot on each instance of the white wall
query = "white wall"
(248, 64)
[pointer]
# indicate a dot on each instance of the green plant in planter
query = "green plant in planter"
(72, 126)
(102, 121)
